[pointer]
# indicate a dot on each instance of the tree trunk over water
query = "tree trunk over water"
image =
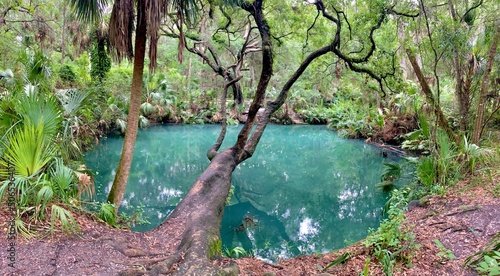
(200, 214)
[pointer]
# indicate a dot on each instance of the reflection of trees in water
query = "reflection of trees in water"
(308, 188)
(263, 236)
(323, 196)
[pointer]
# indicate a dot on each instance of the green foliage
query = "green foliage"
(214, 248)
(107, 213)
(341, 259)
(64, 218)
(36, 109)
(99, 60)
(28, 150)
(31, 156)
(67, 74)
(418, 140)
(237, 252)
(36, 66)
(392, 172)
(62, 177)
(444, 253)
(486, 261)
(390, 243)
(230, 195)
(490, 264)
(366, 268)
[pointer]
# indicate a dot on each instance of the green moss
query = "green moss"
(214, 248)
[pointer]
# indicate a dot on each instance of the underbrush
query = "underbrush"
(391, 243)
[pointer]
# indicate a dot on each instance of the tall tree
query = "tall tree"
(199, 214)
(149, 16)
(478, 125)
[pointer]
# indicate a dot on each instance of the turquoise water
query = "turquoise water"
(304, 191)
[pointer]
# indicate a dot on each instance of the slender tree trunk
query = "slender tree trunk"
(484, 88)
(441, 120)
(117, 191)
(63, 35)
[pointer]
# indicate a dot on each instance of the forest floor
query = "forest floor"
(464, 221)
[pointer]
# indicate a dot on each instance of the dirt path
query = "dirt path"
(463, 221)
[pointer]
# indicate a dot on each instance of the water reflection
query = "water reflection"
(305, 190)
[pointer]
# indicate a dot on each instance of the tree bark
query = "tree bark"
(117, 191)
(63, 35)
(430, 98)
(478, 125)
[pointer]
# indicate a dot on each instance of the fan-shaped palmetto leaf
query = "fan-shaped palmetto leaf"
(65, 217)
(392, 172)
(36, 66)
(44, 195)
(62, 177)
(72, 100)
(143, 122)
(147, 108)
(89, 10)
(107, 213)
(28, 150)
(21, 228)
(35, 110)
(121, 125)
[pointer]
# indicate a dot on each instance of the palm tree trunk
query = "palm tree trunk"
(117, 191)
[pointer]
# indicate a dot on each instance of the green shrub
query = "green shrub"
(67, 74)
(391, 243)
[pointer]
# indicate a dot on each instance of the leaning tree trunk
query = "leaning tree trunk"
(117, 191)
(441, 120)
(200, 214)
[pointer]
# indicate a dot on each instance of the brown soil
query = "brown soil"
(394, 127)
(464, 221)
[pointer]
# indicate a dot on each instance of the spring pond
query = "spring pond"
(304, 191)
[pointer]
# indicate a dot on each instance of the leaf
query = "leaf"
(65, 217)
(344, 257)
(28, 150)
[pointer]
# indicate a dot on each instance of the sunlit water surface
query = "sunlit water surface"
(304, 191)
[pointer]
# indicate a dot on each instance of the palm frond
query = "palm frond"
(22, 229)
(35, 110)
(43, 196)
(143, 122)
(72, 100)
(107, 213)
(65, 218)
(88, 10)
(121, 26)
(62, 176)
(28, 150)
(121, 125)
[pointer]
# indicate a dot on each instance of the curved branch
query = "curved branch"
(278, 102)
(255, 9)
(212, 152)
(308, 30)
(470, 10)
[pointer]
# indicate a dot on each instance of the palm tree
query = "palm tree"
(121, 26)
